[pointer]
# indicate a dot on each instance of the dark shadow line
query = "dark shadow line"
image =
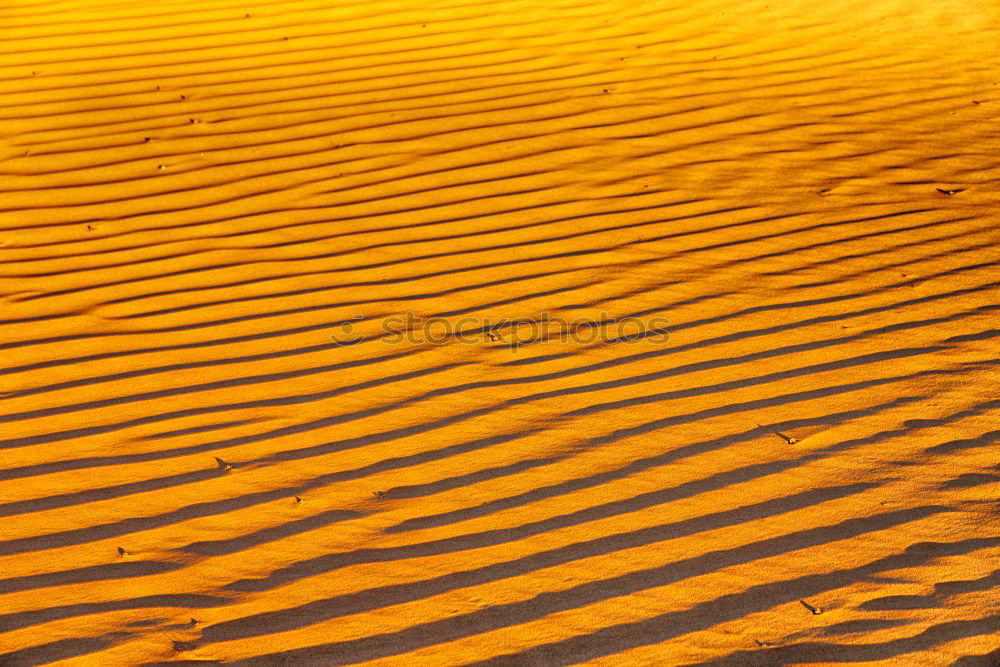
(641, 633)
(385, 596)
(23, 619)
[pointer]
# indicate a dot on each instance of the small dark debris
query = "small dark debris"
(787, 438)
(193, 622)
(184, 97)
(223, 466)
(298, 501)
(950, 193)
(146, 140)
(812, 610)
(379, 494)
(122, 553)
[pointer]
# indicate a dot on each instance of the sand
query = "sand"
(214, 450)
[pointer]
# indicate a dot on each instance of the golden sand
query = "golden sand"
(200, 201)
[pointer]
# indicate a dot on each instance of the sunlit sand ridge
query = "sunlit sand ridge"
(212, 451)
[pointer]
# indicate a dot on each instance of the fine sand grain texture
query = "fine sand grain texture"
(212, 450)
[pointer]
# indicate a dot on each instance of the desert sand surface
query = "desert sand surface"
(214, 451)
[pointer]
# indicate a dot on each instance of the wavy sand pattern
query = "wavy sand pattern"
(200, 200)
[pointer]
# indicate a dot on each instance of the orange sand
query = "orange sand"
(196, 196)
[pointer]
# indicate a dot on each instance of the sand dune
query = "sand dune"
(699, 320)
